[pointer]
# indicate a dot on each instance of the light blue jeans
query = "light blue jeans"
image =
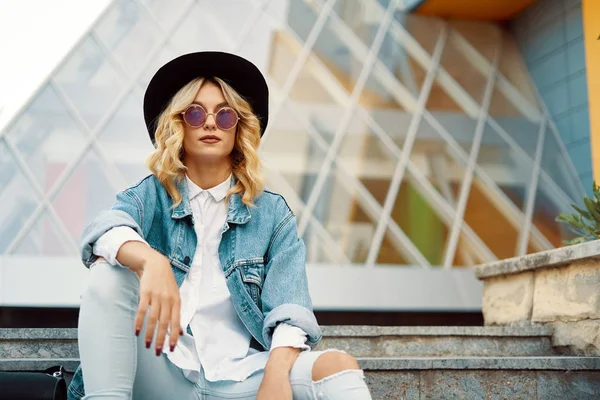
(117, 365)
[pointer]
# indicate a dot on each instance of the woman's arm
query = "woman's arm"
(285, 296)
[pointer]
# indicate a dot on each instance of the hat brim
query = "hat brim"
(239, 73)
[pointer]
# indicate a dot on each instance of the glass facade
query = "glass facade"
(397, 139)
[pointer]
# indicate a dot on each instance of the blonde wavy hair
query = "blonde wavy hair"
(166, 162)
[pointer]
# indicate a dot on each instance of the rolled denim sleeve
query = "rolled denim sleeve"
(126, 211)
(285, 296)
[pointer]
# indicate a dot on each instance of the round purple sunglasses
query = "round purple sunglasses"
(195, 116)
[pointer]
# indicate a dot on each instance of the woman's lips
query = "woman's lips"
(209, 139)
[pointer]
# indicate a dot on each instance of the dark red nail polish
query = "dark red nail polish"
(137, 332)
(172, 348)
(180, 333)
(148, 344)
(158, 351)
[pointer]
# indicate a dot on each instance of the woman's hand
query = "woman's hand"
(158, 290)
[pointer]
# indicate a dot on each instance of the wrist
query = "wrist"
(151, 258)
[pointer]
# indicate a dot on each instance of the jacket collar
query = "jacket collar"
(237, 212)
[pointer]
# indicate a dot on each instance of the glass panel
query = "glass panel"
(487, 216)
(89, 81)
(434, 165)
(17, 199)
(365, 157)
(486, 212)
(512, 67)
(125, 141)
(319, 250)
(130, 34)
(262, 43)
(43, 239)
(420, 222)
(164, 55)
(333, 45)
(192, 34)
(544, 218)
(167, 13)
(84, 195)
(345, 216)
(390, 251)
(378, 93)
(41, 133)
(486, 38)
(424, 30)
(455, 62)
(548, 205)
(554, 163)
(230, 17)
(290, 150)
(317, 99)
(501, 106)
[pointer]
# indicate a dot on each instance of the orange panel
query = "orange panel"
(479, 10)
(591, 16)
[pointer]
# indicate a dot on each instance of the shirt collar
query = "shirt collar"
(217, 192)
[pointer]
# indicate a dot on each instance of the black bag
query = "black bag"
(32, 385)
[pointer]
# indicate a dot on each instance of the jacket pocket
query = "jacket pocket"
(252, 276)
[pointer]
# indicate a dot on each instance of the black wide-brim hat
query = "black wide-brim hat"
(238, 72)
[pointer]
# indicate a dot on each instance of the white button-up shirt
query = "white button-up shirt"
(220, 343)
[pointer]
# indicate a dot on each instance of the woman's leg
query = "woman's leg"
(342, 380)
(114, 361)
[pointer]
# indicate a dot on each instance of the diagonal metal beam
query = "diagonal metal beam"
(438, 203)
(349, 111)
(64, 176)
(532, 191)
(465, 188)
(407, 148)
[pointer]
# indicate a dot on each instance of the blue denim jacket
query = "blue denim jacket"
(260, 252)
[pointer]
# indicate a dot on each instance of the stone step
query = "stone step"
(360, 341)
(469, 341)
(449, 377)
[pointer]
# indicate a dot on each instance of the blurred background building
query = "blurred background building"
(413, 139)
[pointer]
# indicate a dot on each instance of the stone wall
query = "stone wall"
(559, 288)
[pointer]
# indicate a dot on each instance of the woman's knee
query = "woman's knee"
(331, 363)
(110, 283)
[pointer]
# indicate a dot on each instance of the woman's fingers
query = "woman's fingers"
(175, 324)
(166, 304)
(141, 312)
(152, 319)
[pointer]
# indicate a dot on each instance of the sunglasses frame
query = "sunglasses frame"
(207, 114)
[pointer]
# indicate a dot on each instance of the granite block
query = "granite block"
(392, 385)
(38, 349)
(372, 331)
(567, 385)
(435, 346)
(38, 333)
(478, 385)
(37, 364)
(558, 363)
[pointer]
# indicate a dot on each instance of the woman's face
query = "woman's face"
(209, 142)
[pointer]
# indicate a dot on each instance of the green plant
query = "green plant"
(585, 222)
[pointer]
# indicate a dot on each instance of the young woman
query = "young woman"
(198, 287)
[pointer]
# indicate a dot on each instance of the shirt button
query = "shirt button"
(186, 260)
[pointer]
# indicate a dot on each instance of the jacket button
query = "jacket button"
(186, 260)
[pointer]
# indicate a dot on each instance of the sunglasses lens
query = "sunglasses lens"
(226, 118)
(194, 116)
